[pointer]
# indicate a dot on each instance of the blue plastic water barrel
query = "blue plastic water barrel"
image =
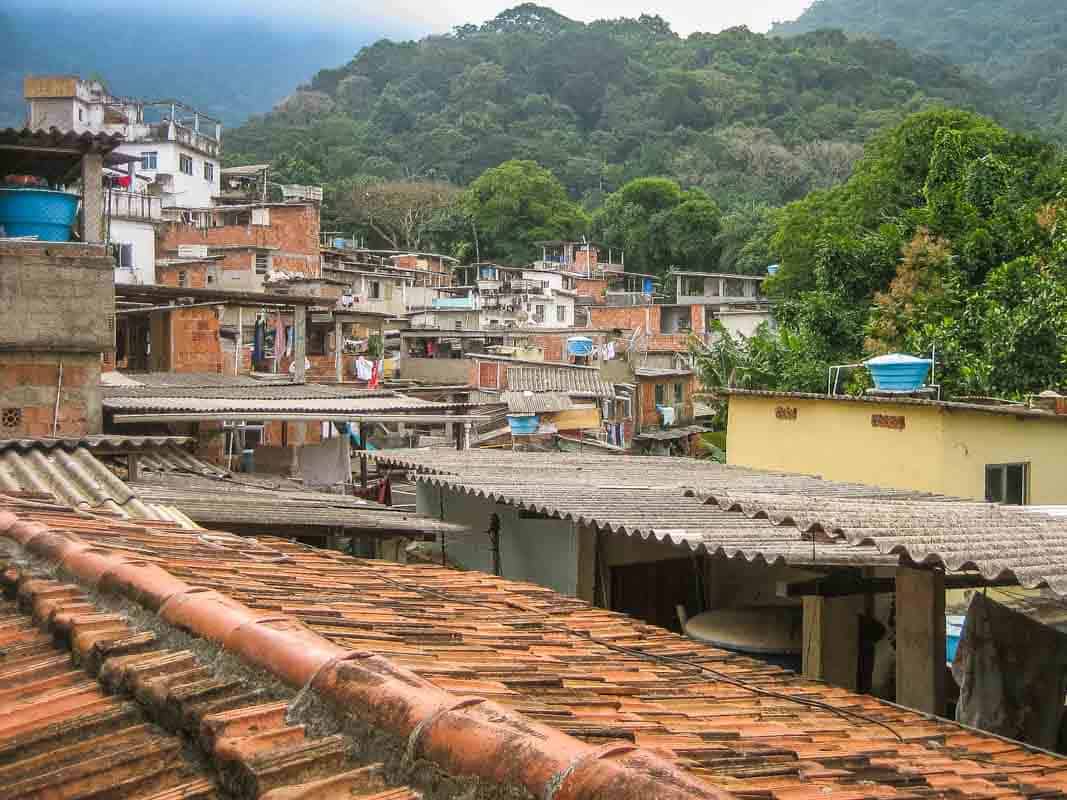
(898, 372)
(523, 423)
(43, 213)
(579, 345)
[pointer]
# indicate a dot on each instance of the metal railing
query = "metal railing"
(133, 205)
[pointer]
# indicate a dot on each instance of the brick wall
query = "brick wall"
(649, 416)
(195, 345)
(28, 386)
(644, 318)
(292, 236)
(195, 275)
(675, 342)
(595, 288)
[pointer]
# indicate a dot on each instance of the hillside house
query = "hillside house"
(735, 301)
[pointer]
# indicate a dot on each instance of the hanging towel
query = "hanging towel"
(288, 341)
(364, 369)
(279, 339)
(667, 412)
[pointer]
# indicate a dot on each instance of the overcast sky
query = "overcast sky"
(419, 17)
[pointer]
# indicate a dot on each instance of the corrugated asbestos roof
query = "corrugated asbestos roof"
(54, 137)
(1012, 410)
(536, 402)
(324, 405)
(655, 372)
(77, 478)
(670, 434)
(733, 511)
(106, 442)
(554, 379)
(453, 661)
(96, 730)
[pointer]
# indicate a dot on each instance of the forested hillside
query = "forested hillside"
(748, 118)
(951, 233)
(1020, 46)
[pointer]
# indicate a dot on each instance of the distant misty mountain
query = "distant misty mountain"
(228, 68)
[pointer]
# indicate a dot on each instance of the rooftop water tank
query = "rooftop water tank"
(898, 372)
(580, 346)
(43, 213)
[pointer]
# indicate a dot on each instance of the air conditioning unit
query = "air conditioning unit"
(192, 251)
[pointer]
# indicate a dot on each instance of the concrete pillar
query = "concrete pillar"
(338, 351)
(831, 639)
(300, 341)
(93, 198)
(921, 639)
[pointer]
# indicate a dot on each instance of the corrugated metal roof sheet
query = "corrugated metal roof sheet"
(655, 372)
(578, 382)
(733, 511)
(672, 433)
(536, 402)
(340, 405)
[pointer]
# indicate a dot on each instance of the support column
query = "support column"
(300, 341)
(92, 197)
(338, 351)
(831, 639)
(920, 617)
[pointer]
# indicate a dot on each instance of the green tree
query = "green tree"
(516, 205)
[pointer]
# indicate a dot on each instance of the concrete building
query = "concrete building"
(1004, 453)
(178, 146)
(735, 301)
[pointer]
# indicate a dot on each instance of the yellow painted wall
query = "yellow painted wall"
(939, 450)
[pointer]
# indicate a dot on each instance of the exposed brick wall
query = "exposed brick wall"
(293, 235)
(586, 259)
(645, 318)
(195, 275)
(676, 342)
(195, 345)
(595, 288)
(649, 416)
(28, 386)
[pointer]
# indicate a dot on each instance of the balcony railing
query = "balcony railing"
(628, 298)
(132, 205)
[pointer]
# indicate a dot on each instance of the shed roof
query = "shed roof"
(511, 682)
(549, 378)
(536, 402)
(769, 516)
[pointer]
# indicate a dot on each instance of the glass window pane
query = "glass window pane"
(1015, 489)
(994, 484)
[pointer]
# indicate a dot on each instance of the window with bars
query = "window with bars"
(262, 263)
(185, 164)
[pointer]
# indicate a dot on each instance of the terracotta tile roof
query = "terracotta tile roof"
(733, 511)
(120, 725)
(485, 676)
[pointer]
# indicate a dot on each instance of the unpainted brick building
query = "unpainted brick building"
(57, 303)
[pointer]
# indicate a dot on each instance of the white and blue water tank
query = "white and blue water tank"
(580, 346)
(898, 372)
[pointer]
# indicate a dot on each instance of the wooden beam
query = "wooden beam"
(849, 583)
(831, 639)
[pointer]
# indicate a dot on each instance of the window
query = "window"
(375, 290)
(539, 313)
(679, 394)
(183, 278)
(459, 324)
(561, 313)
(1007, 483)
(661, 392)
(126, 256)
(81, 115)
(150, 160)
(316, 345)
(262, 263)
(209, 171)
(185, 164)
